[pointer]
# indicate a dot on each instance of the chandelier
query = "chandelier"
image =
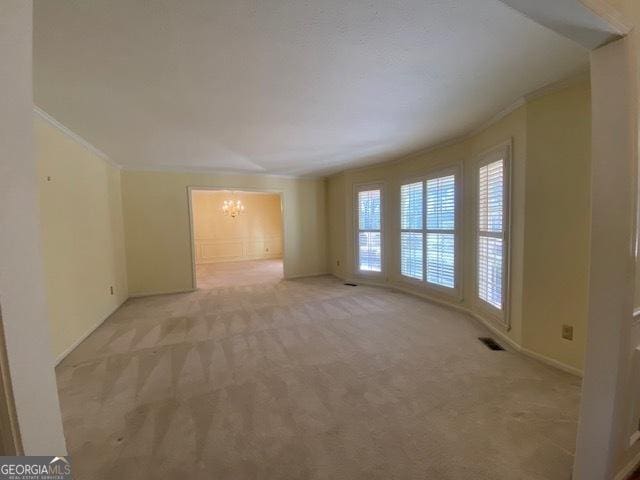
(232, 208)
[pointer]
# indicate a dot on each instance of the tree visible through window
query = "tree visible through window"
(428, 230)
(491, 233)
(369, 230)
(441, 224)
(412, 234)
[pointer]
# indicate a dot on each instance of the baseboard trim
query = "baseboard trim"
(485, 322)
(84, 336)
(306, 275)
(239, 259)
(496, 331)
(552, 362)
(525, 351)
(629, 468)
(166, 292)
(361, 281)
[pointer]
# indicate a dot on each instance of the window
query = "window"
(441, 210)
(428, 222)
(492, 229)
(369, 241)
(411, 235)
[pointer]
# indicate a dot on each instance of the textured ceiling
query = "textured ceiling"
(284, 86)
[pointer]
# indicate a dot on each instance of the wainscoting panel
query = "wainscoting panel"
(219, 250)
(268, 247)
(212, 250)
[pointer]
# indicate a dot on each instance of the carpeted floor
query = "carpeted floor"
(247, 272)
(309, 379)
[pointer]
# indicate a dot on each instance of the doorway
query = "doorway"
(238, 237)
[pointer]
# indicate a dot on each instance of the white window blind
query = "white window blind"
(411, 225)
(428, 230)
(491, 233)
(441, 210)
(369, 230)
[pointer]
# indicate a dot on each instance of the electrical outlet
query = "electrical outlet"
(111, 289)
(338, 263)
(567, 332)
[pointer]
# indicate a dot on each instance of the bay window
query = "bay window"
(429, 223)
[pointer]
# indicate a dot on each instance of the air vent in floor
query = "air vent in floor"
(351, 285)
(490, 343)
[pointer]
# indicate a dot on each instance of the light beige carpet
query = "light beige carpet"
(247, 272)
(309, 379)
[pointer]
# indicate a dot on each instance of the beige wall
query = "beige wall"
(544, 118)
(82, 235)
(157, 230)
(336, 225)
(255, 234)
(557, 214)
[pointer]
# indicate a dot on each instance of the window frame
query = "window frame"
(456, 169)
(502, 152)
(409, 181)
(364, 187)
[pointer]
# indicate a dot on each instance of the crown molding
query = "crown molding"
(213, 171)
(73, 136)
(455, 140)
(583, 75)
(200, 170)
(579, 76)
(520, 102)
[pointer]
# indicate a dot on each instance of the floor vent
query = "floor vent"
(490, 343)
(351, 285)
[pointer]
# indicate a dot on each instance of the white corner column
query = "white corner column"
(604, 411)
(22, 293)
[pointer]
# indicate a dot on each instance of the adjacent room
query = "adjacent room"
(237, 237)
(330, 240)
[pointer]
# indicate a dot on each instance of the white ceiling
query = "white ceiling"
(284, 86)
(573, 19)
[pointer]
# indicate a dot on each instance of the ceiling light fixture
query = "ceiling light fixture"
(232, 208)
